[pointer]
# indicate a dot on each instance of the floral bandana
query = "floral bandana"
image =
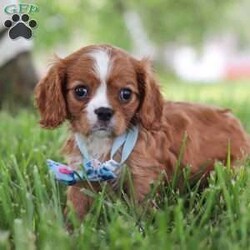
(93, 169)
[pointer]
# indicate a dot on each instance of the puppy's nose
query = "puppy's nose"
(104, 114)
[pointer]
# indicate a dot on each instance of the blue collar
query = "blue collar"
(93, 169)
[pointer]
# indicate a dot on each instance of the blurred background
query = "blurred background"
(205, 44)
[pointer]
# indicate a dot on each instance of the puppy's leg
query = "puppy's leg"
(141, 188)
(80, 202)
(145, 185)
(147, 172)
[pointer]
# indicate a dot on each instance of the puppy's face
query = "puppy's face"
(99, 89)
(102, 93)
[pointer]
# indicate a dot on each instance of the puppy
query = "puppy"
(102, 91)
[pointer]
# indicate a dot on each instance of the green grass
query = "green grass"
(31, 202)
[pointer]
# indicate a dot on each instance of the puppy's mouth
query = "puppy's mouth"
(102, 128)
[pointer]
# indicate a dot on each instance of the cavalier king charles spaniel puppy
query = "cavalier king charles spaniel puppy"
(101, 91)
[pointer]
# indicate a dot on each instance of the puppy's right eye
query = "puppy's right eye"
(81, 92)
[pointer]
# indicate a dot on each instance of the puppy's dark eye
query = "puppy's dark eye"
(81, 92)
(125, 94)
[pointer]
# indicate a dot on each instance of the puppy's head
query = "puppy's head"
(99, 89)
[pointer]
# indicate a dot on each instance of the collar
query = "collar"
(93, 169)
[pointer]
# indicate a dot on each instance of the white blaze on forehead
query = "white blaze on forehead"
(102, 65)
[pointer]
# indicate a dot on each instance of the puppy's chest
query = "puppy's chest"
(98, 147)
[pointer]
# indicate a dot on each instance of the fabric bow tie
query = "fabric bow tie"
(93, 169)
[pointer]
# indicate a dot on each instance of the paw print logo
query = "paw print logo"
(20, 26)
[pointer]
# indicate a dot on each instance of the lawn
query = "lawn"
(31, 202)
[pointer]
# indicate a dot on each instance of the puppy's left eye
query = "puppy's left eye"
(125, 94)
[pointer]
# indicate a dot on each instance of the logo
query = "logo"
(20, 24)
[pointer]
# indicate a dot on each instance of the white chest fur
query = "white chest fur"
(98, 146)
(95, 146)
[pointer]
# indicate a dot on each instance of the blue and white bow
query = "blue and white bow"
(93, 169)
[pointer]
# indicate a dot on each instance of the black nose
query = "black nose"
(104, 114)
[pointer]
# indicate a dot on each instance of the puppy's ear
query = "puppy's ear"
(49, 97)
(151, 100)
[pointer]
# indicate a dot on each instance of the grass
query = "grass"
(31, 202)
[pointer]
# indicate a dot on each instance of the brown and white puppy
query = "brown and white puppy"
(102, 90)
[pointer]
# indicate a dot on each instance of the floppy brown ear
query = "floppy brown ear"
(49, 97)
(151, 106)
